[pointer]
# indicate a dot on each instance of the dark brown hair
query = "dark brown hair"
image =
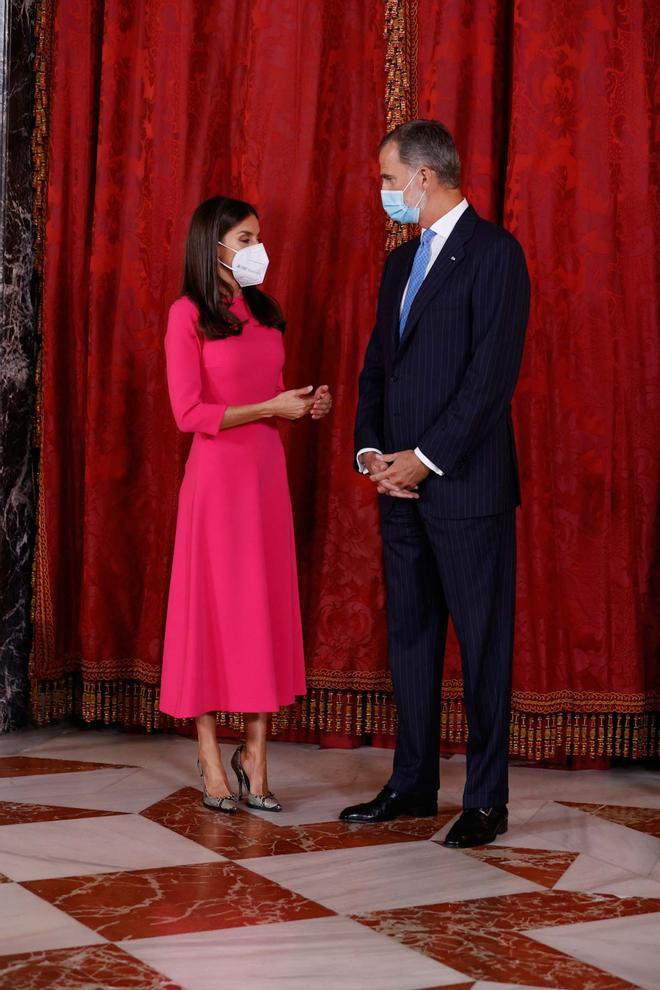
(201, 283)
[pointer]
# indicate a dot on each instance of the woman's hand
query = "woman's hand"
(291, 404)
(322, 402)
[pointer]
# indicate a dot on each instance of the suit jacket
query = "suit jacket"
(446, 387)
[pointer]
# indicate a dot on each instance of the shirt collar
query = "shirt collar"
(446, 223)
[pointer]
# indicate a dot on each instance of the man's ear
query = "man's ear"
(425, 174)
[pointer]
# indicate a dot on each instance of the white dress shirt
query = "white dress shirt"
(443, 228)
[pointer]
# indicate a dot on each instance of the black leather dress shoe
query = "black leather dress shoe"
(389, 805)
(477, 827)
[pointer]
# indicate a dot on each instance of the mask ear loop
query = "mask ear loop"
(228, 249)
(404, 189)
(412, 179)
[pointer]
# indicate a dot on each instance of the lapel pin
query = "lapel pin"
(453, 258)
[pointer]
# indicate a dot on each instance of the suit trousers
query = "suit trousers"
(466, 569)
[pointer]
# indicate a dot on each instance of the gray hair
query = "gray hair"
(427, 143)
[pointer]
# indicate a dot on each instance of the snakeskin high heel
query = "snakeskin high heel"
(228, 803)
(265, 802)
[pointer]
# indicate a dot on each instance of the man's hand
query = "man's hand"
(378, 468)
(402, 475)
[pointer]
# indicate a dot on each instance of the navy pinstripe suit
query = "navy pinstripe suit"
(446, 388)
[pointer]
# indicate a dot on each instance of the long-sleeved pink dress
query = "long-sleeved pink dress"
(233, 639)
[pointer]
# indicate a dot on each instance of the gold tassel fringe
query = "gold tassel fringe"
(401, 44)
(548, 736)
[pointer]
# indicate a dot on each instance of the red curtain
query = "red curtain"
(156, 105)
(552, 108)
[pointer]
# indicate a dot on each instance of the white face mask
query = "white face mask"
(250, 264)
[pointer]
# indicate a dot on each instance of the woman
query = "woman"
(233, 638)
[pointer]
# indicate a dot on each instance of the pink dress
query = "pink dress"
(233, 639)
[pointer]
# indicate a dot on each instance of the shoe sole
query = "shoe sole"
(413, 813)
(474, 845)
(221, 811)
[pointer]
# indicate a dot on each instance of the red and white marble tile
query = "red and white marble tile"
(489, 985)
(393, 875)
(598, 877)
(28, 923)
(628, 946)
(560, 827)
(98, 967)
(93, 845)
(539, 865)
(195, 898)
(24, 741)
(642, 819)
(245, 835)
(29, 766)
(110, 746)
(16, 813)
(488, 938)
(318, 954)
(633, 786)
(119, 790)
(108, 835)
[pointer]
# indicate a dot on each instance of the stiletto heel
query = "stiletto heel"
(265, 802)
(228, 803)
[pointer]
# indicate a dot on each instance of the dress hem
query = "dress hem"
(223, 706)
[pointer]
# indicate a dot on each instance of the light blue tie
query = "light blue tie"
(416, 277)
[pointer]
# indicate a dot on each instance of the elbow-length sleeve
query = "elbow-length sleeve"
(183, 354)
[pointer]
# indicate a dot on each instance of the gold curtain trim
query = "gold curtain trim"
(44, 20)
(551, 736)
(365, 682)
(527, 701)
(539, 703)
(352, 680)
(401, 103)
(579, 701)
(43, 645)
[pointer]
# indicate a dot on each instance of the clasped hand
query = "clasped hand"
(396, 474)
(297, 402)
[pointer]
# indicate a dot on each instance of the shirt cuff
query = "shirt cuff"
(365, 450)
(430, 465)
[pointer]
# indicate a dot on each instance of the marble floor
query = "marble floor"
(113, 875)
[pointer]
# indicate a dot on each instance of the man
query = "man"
(434, 434)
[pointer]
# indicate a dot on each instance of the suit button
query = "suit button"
(394, 378)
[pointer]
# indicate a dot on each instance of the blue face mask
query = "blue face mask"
(396, 207)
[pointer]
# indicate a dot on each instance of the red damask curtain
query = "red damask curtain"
(552, 108)
(152, 107)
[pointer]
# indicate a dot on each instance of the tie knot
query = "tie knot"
(427, 235)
